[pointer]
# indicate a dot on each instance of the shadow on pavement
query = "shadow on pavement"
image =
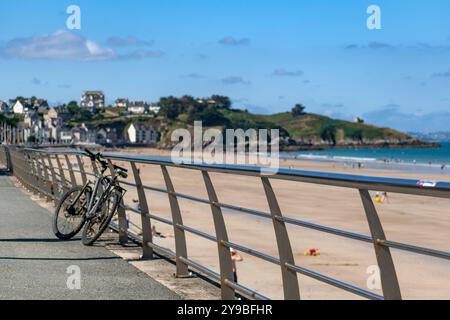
(4, 172)
(38, 240)
(59, 259)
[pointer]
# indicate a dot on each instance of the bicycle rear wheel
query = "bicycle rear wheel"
(70, 214)
(96, 225)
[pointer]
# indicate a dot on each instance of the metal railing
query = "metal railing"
(50, 173)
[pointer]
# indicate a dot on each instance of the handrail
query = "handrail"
(37, 171)
(395, 185)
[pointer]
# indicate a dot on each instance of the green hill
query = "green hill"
(312, 130)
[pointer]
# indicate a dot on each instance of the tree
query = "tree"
(329, 134)
(298, 110)
(358, 135)
(171, 107)
(73, 107)
(210, 117)
(222, 102)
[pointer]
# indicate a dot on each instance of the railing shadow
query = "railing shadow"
(5, 172)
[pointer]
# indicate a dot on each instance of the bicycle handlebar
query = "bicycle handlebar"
(98, 156)
(91, 154)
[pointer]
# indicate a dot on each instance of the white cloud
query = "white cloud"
(60, 45)
(287, 73)
(231, 41)
(36, 81)
(234, 80)
(193, 76)
(141, 54)
(445, 74)
(128, 41)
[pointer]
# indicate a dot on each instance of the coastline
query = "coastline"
(345, 162)
(419, 145)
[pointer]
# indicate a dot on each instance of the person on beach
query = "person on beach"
(377, 198)
(443, 166)
(384, 197)
(235, 257)
(158, 234)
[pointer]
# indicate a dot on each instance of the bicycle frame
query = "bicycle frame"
(95, 204)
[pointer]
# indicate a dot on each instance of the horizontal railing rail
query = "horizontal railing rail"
(49, 173)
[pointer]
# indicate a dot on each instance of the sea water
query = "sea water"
(420, 159)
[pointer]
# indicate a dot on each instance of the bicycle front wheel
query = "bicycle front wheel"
(70, 213)
(96, 225)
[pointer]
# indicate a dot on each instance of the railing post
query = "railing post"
(147, 237)
(44, 177)
(226, 266)
(54, 187)
(389, 281)
(82, 171)
(180, 237)
(19, 171)
(123, 223)
(73, 180)
(29, 171)
(34, 178)
(62, 176)
(9, 166)
(290, 281)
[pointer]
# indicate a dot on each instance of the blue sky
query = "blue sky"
(266, 55)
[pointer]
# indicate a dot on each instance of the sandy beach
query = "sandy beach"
(414, 220)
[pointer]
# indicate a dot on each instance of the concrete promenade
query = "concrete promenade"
(34, 265)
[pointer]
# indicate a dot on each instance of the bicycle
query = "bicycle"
(91, 206)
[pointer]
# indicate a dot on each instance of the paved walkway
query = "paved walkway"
(33, 264)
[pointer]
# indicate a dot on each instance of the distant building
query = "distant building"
(52, 126)
(3, 107)
(359, 120)
(107, 136)
(43, 110)
(80, 134)
(92, 100)
(37, 103)
(154, 108)
(51, 113)
(121, 103)
(137, 107)
(18, 108)
(141, 134)
(65, 136)
(31, 118)
(62, 112)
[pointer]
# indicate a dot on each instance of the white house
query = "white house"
(121, 103)
(137, 107)
(142, 134)
(65, 136)
(92, 99)
(154, 108)
(18, 108)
